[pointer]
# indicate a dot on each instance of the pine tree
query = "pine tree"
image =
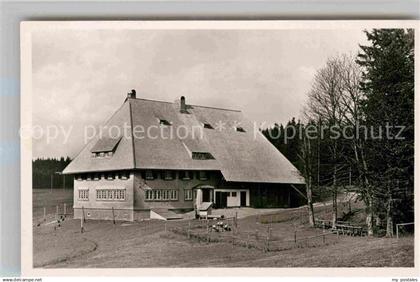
(388, 83)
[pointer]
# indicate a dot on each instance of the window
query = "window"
(188, 195)
(161, 195)
(240, 129)
(207, 125)
(83, 194)
(102, 154)
(96, 176)
(203, 175)
(149, 175)
(124, 174)
(186, 175)
(233, 194)
(174, 195)
(168, 175)
(88, 176)
(110, 194)
(149, 195)
(79, 177)
(164, 122)
(109, 176)
(202, 156)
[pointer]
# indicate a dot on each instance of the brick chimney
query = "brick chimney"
(132, 94)
(183, 106)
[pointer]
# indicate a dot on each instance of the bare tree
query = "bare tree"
(336, 100)
(324, 104)
(307, 157)
(352, 97)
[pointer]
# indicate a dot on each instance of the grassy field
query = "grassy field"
(45, 198)
(148, 244)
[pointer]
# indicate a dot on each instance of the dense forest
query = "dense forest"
(358, 130)
(46, 174)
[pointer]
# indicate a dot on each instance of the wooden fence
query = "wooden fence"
(341, 227)
(202, 230)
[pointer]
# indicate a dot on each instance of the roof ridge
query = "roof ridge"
(216, 108)
(207, 107)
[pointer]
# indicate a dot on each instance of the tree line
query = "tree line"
(358, 130)
(46, 173)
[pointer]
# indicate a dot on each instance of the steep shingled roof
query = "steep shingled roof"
(240, 156)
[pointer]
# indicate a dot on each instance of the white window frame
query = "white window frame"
(111, 194)
(188, 195)
(83, 194)
(161, 195)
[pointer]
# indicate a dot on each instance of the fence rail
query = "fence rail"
(202, 230)
(402, 225)
(47, 213)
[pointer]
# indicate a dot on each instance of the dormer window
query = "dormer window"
(240, 129)
(202, 156)
(208, 125)
(164, 122)
(105, 147)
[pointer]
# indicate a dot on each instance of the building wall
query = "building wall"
(275, 196)
(135, 206)
(231, 200)
(140, 202)
(94, 208)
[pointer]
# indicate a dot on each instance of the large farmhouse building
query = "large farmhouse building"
(161, 158)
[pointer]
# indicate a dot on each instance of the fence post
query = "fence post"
(83, 214)
(323, 238)
(165, 227)
(189, 227)
(113, 215)
(56, 212)
(295, 238)
(82, 219)
(268, 237)
(45, 214)
(396, 226)
(208, 232)
(247, 241)
(64, 209)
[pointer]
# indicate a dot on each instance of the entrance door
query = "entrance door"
(221, 199)
(206, 195)
(243, 198)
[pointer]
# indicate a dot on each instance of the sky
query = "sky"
(80, 78)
